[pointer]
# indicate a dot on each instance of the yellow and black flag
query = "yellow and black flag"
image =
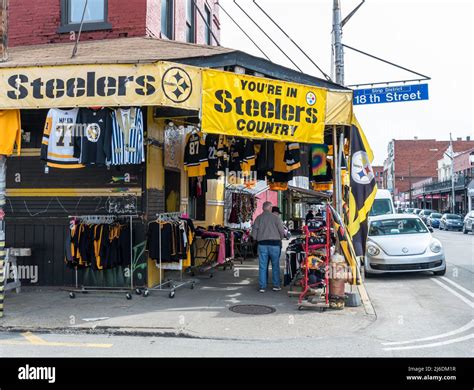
(362, 187)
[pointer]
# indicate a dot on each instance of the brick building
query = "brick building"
(378, 172)
(53, 21)
(410, 161)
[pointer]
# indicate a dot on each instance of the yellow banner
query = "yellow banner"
(254, 107)
(158, 84)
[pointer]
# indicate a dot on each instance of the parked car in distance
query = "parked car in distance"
(450, 222)
(417, 211)
(424, 214)
(402, 243)
(433, 220)
(383, 204)
(409, 210)
(468, 223)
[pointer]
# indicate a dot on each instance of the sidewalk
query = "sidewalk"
(202, 312)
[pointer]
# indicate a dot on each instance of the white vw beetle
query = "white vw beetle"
(402, 243)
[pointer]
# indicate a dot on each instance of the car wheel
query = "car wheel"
(440, 273)
(367, 275)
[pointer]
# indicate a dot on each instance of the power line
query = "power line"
(268, 36)
(241, 29)
(292, 41)
(387, 62)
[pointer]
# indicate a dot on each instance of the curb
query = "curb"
(108, 330)
(364, 296)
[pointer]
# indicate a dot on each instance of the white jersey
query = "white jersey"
(57, 147)
(127, 136)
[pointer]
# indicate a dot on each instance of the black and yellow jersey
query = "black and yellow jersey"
(195, 155)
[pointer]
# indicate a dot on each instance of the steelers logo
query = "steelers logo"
(310, 98)
(93, 132)
(177, 84)
(361, 169)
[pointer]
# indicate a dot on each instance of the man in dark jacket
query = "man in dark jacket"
(268, 231)
(309, 216)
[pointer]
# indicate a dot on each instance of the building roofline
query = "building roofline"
(259, 65)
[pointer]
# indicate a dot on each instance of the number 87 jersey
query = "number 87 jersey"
(195, 155)
(57, 146)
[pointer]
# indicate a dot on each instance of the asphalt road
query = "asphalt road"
(417, 315)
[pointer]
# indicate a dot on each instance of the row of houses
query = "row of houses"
(421, 173)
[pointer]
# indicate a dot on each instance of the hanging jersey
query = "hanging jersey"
(94, 146)
(280, 160)
(318, 159)
(57, 147)
(212, 141)
(248, 156)
(127, 137)
(292, 155)
(10, 131)
(195, 155)
(265, 159)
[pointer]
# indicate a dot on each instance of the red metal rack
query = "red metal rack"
(306, 300)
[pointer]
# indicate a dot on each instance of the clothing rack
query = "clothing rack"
(106, 219)
(169, 285)
(210, 248)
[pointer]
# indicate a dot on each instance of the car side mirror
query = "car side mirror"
(430, 229)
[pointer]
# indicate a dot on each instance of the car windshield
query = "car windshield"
(381, 207)
(428, 212)
(435, 215)
(390, 227)
(452, 216)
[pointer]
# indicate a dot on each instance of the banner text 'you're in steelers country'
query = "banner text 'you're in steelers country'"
(276, 110)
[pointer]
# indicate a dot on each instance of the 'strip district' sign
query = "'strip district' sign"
(400, 93)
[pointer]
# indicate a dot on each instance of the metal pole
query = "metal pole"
(74, 51)
(453, 202)
(336, 178)
(3, 174)
(339, 174)
(337, 41)
(409, 181)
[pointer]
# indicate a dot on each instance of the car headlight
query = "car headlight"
(435, 246)
(373, 250)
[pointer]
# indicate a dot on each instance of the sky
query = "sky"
(434, 38)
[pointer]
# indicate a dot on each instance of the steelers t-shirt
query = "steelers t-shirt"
(94, 143)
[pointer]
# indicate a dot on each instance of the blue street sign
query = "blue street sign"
(399, 93)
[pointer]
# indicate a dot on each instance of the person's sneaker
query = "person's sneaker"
(276, 288)
(262, 290)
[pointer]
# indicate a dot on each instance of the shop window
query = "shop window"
(190, 21)
(208, 26)
(95, 15)
(167, 20)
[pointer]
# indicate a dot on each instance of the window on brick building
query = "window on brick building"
(95, 15)
(167, 19)
(190, 21)
(208, 26)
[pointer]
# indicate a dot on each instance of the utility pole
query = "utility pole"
(453, 194)
(338, 56)
(338, 50)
